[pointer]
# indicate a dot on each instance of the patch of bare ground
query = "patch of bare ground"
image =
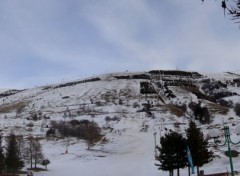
(198, 93)
(215, 108)
(173, 109)
(14, 106)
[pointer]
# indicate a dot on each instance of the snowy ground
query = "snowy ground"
(128, 154)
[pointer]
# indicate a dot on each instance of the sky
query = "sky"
(50, 41)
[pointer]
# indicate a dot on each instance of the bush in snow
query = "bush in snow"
(200, 113)
(45, 162)
(115, 118)
(30, 124)
(50, 132)
(237, 109)
(136, 105)
(83, 129)
(228, 104)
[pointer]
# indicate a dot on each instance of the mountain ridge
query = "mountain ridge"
(123, 105)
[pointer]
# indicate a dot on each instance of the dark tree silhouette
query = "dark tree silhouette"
(45, 162)
(13, 160)
(2, 158)
(198, 146)
(232, 7)
(172, 153)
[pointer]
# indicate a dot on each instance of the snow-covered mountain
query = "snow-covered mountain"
(3, 90)
(138, 105)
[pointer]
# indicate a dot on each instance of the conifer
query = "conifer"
(198, 146)
(13, 161)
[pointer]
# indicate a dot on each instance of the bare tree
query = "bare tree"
(92, 134)
(21, 146)
(232, 7)
(2, 158)
(33, 152)
(37, 152)
(28, 154)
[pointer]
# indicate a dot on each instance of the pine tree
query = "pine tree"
(198, 146)
(2, 158)
(21, 146)
(13, 160)
(172, 153)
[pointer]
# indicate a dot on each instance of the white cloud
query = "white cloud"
(89, 37)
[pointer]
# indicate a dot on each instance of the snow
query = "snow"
(130, 154)
(3, 90)
(130, 147)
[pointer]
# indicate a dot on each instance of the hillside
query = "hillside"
(128, 108)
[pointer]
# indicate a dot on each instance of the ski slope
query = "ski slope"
(129, 150)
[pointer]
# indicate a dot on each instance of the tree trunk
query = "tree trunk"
(35, 162)
(178, 173)
(189, 171)
(30, 150)
(31, 161)
(198, 173)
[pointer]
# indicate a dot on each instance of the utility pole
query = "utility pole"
(228, 141)
(154, 134)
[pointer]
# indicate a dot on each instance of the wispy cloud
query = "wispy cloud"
(46, 40)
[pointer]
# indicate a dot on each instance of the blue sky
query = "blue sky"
(48, 41)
